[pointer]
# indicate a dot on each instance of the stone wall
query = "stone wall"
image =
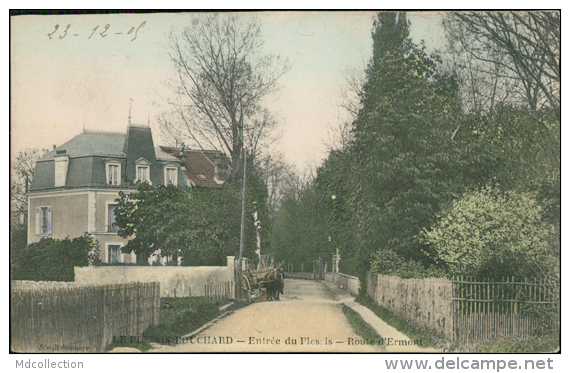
(174, 281)
(347, 282)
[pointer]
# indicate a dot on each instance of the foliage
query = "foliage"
(492, 232)
(404, 156)
(280, 179)
(155, 219)
(18, 237)
(414, 156)
(181, 316)
(51, 259)
(214, 224)
(335, 185)
(300, 233)
(388, 262)
(395, 321)
(200, 224)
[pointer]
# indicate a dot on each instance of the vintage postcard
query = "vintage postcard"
(323, 182)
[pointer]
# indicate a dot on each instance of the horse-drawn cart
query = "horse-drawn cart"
(263, 280)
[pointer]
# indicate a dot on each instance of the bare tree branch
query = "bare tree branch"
(222, 80)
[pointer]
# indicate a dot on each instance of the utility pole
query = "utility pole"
(243, 202)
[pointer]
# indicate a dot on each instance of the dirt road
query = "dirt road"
(308, 318)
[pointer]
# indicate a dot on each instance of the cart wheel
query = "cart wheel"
(246, 288)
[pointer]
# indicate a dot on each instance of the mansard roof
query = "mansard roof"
(89, 152)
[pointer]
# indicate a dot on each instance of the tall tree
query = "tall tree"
(402, 144)
(522, 48)
(221, 83)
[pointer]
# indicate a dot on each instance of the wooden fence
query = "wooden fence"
(424, 302)
(466, 309)
(499, 310)
(508, 295)
(81, 318)
(220, 290)
(492, 326)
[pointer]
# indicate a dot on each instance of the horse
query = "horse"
(268, 284)
(279, 282)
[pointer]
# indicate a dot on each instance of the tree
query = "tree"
(336, 186)
(221, 84)
(155, 218)
(22, 174)
(405, 159)
(520, 51)
(524, 47)
(200, 224)
(300, 232)
(279, 178)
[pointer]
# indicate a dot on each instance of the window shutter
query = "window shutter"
(49, 221)
(38, 220)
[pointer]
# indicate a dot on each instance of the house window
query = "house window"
(143, 174)
(114, 254)
(113, 173)
(111, 220)
(170, 176)
(44, 221)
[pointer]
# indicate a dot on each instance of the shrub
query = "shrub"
(388, 262)
(490, 232)
(51, 259)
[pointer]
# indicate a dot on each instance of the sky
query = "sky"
(75, 78)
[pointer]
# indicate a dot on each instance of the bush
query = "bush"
(387, 262)
(490, 232)
(18, 237)
(348, 266)
(51, 259)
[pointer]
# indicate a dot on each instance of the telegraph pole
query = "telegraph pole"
(243, 202)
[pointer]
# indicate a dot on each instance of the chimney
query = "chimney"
(61, 164)
(54, 146)
(221, 168)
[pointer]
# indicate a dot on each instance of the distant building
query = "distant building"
(75, 185)
(203, 168)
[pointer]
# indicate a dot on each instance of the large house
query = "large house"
(75, 185)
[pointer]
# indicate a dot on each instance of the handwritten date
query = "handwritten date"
(104, 32)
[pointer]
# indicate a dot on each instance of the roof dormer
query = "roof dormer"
(142, 170)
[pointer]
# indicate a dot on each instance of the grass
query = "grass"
(395, 321)
(181, 316)
(365, 330)
(529, 346)
(177, 317)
